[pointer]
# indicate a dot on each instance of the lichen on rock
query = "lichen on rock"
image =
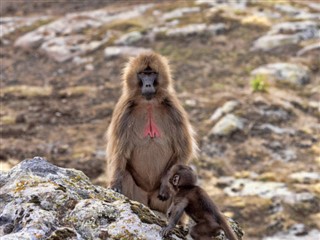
(42, 201)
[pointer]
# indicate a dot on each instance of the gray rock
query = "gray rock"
(269, 190)
(239, 4)
(226, 108)
(270, 42)
(286, 33)
(284, 73)
(274, 113)
(295, 233)
(314, 6)
(129, 38)
(276, 129)
(123, 51)
(248, 187)
(194, 29)
(42, 201)
(82, 60)
(215, 29)
(285, 155)
(60, 39)
(30, 40)
(187, 30)
(305, 177)
(227, 125)
(303, 30)
(62, 49)
(11, 24)
(178, 13)
(307, 16)
(292, 27)
(309, 49)
(315, 105)
(288, 9)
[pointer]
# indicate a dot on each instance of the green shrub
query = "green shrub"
(259, 84)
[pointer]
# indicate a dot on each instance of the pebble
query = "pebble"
(226, 108)
(116, 51)
(227, 125)
(269, 42)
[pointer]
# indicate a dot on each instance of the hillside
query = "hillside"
(247, 72)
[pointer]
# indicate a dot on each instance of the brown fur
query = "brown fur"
(189, 198)
(136, 164)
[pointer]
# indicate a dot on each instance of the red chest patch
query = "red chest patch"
(151, 128)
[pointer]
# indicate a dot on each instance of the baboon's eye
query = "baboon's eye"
(155, 83)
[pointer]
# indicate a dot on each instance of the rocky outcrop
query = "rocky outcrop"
(42, 201)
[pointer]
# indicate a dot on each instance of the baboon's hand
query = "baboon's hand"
(165, 231)
(164, 193)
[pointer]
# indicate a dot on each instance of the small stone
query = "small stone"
(207, 2)
(307, 16)
(129, 38)
(226, 108)
(293, 27)
(303, 30)
(293, 235)
(276, 129)
(11, 24)
(288, 9)
(81, 60)
(270, 42)
(248, 187)
(305, 177)
(187, 30)
(194, 29)
(227, 125)
(29, 41)
(284, 73)
(314, 6)
(89, 67)
(178, 13)
(215, 29)
(64, 48)
(309, 49)
(191, 102)
(124, 51)
(315, 105)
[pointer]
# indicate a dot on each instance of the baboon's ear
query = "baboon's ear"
(175, 180)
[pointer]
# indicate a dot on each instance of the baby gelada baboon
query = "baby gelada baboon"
(190, 198)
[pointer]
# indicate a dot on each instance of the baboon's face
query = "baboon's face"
(148, 82)
(147, 75)
(183, 176)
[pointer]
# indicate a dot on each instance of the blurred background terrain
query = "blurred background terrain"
(246, 71)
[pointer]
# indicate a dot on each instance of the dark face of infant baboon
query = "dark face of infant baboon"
(183, 176)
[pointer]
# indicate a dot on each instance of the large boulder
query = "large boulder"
(39, 200)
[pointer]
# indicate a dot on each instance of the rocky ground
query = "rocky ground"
(42, 201)
(247, 72)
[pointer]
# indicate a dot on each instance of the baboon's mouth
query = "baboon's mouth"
(149, 96)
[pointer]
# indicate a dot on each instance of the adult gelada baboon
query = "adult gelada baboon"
(149, 132)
